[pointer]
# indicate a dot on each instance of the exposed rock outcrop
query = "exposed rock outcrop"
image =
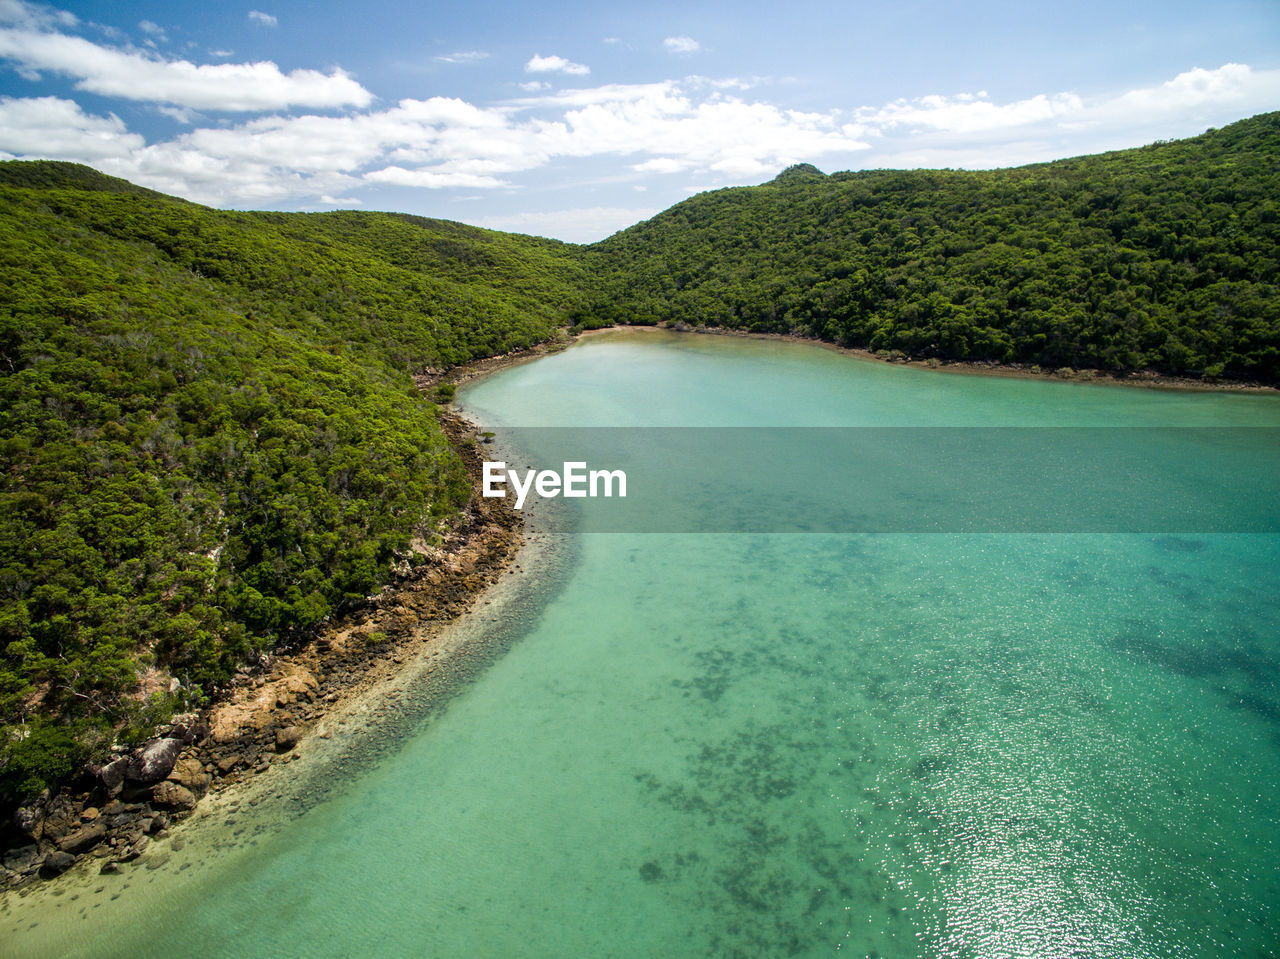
(155, 761)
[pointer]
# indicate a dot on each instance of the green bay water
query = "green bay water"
(789, 744)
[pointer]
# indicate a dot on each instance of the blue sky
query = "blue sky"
(574, 120)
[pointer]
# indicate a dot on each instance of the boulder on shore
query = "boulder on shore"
(155, 761)
(29, 820)
(56, 863)
(190, 774)
(112, 774)
(287, 738)
(83, 839)
(169, 793)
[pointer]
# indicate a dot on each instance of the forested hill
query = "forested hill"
(1165, 257)
(209, 436)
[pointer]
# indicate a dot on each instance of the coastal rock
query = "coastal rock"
(185, 726)
(60, 818)
(23, 859)
(155, 761)
(56, 863)
(287, 738)
(254, 710)
(83, 839)
(29, 820)
(170, 794)
(190, 774)
(112, 774)
(138, 847)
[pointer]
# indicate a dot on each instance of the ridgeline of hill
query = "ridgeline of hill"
(1165, 258)
(210, 438)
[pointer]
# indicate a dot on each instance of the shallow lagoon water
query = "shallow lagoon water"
(795, 744)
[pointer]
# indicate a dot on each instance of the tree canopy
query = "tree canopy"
(1165, 257)
(210, 438)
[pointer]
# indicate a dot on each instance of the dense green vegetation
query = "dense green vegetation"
(210, 438)
(1165, 257)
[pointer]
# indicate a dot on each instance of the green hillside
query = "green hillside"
(209, 437)
(1165, 257)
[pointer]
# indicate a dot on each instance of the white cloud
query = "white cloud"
(449, 143)
(580, 225)
(154, 29)
(968, 114)
(399, 176)
(680, 133)
(263, 19)
(463, 56)
(185, 117)
(554, 64)
(681, 45)
(54, 129)
(1232, 85)
(972, 131)
(713, 133)
(659, 165)
(32, 17)
(584, 96)
(221, 53)
(135, 76)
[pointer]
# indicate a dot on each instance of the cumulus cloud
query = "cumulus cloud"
(968, 113)
(681, 45)
(972, 131)
(710, 132)
(578, 225)
(263, 19)
(554, 64)
(430, 179)
(680, 132)
(1233, 84)
(57, 129)
(135, 76)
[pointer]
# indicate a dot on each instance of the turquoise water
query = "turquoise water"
(799, 744)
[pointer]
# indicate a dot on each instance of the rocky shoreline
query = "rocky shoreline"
(115, 811)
